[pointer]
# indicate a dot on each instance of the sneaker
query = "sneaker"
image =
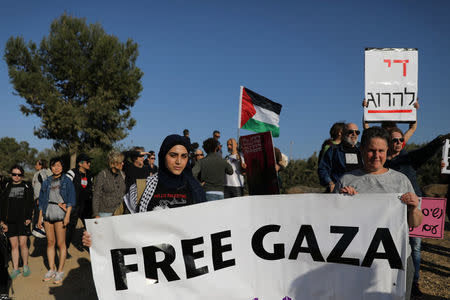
(49, 275)
(26, 271)
(58, 278)
(14, 274)
(415, 291)
(4, 297)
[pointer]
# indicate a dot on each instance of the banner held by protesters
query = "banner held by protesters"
(307, 246)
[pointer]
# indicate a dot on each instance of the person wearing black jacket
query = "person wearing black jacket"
(16, 209)
(136, 169)
(407, 163)
(82, 180)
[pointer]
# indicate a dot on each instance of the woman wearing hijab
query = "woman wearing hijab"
(172, 186)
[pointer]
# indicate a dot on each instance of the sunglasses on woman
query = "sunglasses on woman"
(398, 140)
(16, 174)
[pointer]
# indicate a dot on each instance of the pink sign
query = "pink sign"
(432, 227)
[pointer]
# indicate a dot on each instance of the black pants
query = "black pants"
(70, 229)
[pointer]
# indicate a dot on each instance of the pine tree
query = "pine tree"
(81, 82)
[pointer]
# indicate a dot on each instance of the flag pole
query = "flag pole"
(239, 116)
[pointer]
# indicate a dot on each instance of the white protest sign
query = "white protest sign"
(309, 246)
(390, 84)
(446, 158)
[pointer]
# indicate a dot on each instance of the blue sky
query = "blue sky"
(306, 55)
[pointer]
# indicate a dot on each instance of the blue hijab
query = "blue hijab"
(173, 181)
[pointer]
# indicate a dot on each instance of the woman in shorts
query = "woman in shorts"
(56, 199)
(16, 209)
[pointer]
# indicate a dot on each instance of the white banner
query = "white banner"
(390, 84)
(446, 158)
(308, 246)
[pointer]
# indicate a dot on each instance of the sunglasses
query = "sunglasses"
(152, 158)
(357, 132)
(199, 155)
(15, 174)
(398, 140)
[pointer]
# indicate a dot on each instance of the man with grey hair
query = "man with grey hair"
(340, 159)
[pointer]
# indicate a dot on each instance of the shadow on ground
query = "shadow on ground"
(78, 284)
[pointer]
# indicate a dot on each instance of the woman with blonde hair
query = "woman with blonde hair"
(109, 187)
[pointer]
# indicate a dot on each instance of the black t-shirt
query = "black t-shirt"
(353, 159)
(16, 203)
(164, 198)
(132, 173)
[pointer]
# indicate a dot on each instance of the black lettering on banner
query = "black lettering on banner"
(349, 234)
(432, 228)
(218, 249)
(389, 97)
(120, 270)
(306, 231)
(152, 266)
(257, 243)
(383, 235)
(190, 256)
(437, 213)
(371, 99)
(425, 212)
(413, 96)
(401, 98)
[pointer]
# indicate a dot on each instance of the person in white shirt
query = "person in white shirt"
(234, 183)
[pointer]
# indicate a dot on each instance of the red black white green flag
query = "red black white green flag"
(258, 114)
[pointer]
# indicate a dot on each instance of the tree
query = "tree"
(81, 82)
(12, 152)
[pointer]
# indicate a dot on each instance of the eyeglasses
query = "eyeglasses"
(15, 174)
(199, 155)
(348, 132)
(398, 140)
(152, 158)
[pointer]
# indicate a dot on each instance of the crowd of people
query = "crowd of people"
(53, 203)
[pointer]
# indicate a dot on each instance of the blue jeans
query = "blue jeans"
(213, 197)
(415, 244)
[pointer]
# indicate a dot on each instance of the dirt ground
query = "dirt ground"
(78, 282)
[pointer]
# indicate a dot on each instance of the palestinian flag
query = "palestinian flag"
(258, 114)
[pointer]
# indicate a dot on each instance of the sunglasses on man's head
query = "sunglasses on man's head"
(15, 174)
(357, 132)
(398, 140)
